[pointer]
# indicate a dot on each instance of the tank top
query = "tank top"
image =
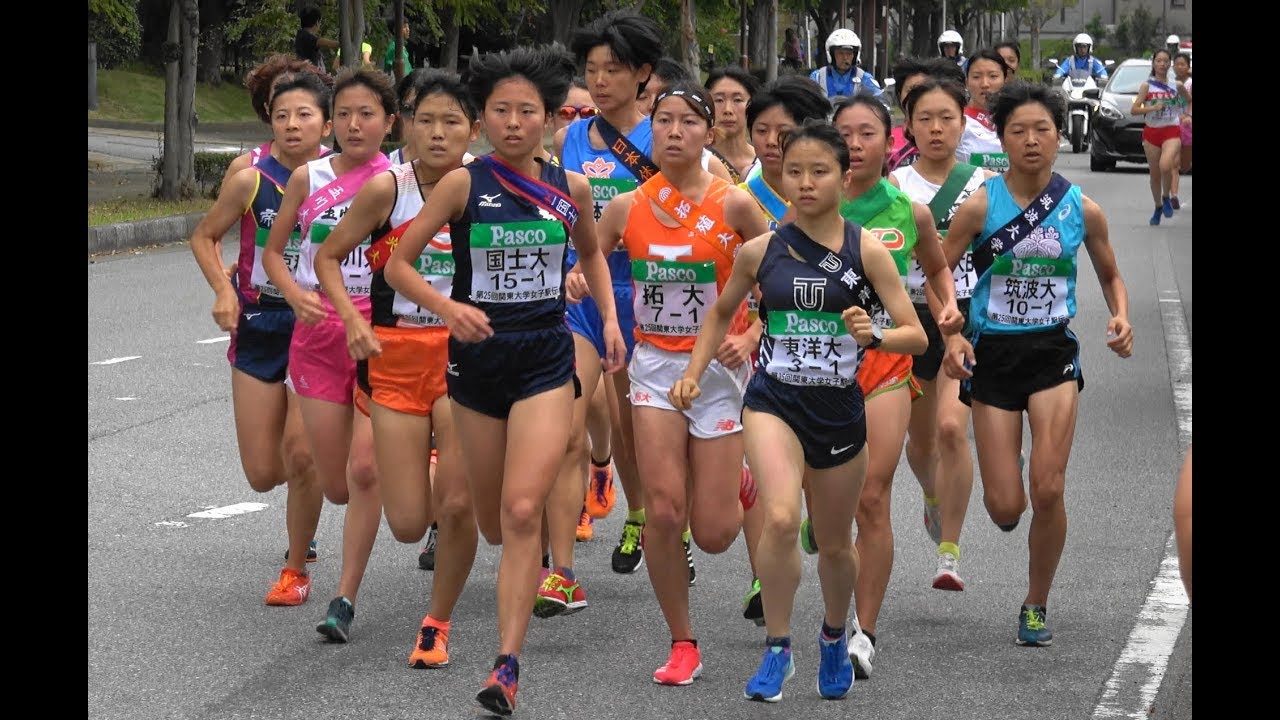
(1170, 114)
(355, 267)
(509, 255)
(255, 226)
(980, 144)
(922, 191)
(805, 342)
(894, 224)
(608, 177)
(677, 275)
(435, 264)
(1033, 287)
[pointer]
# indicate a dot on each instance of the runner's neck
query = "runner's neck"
(1026, 187)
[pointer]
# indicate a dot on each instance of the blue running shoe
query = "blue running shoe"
(1155, 217)
(835, 670)
(776, 668)
(1167, 207)
(1032, 629)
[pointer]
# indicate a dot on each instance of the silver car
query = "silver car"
(1117, 132)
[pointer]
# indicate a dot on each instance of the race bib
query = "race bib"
(603, 190)
(963, 275)
(1030, 291)
(811, 348)
(995, 162)
(436, 266)
(259, 280)
(672, 297)
(355, 266)
(517, 261)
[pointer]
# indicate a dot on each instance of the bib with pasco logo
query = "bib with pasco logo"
(811, 348)
(436, 266)
(515, 262)
(961, 182)
(672, 298)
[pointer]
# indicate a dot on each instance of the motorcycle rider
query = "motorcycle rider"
(1173, 44)
(951, 46)
(1083, 59)
(842, 77)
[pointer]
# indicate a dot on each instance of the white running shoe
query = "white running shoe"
(948, 577)
(861, 653)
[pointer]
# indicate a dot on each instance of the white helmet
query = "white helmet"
(1172, 40)
(1083, 39)
(843, 37)
(951, 37)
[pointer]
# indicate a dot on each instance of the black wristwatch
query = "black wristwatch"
(877, 337)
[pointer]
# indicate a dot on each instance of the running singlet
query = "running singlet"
(1033, 287)
(921, 190)
(886, 212)
(435, 264)
(609, 178)
(355, 267)
(980, 145)
(509, 254)
(677, 274)
(255, 225)
(805, 341)
(1171, 113)
(774, 207)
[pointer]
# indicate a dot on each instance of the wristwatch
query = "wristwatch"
(877, 337)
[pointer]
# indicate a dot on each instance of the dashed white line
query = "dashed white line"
(172, 523)
(126, 398)
(210, 341)
(113, 361)
(229, 510)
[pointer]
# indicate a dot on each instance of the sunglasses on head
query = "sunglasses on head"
(571, 112)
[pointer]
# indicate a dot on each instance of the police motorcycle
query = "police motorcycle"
(1083, 97)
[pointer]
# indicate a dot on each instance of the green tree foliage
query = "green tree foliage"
(115, 27)
(1096, 28)
(1138, 31)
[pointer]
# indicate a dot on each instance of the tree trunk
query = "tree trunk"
(449, 53)
(348, 48)
(758, 38)
(771, 63)
(397, 51)
(177, 178)
(212, 45)
(689, 37)
(1035, 45)
(358, 32)
(564, 19)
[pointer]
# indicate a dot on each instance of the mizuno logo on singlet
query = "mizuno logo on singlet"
(488, 200)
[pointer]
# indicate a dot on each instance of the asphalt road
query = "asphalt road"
(178, 628)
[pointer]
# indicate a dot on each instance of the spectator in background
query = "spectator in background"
(307, 44)
(666, 72)
(791, 50)
(389, 60)
(366, 56)
(1012, 55)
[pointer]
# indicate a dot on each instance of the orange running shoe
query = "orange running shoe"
(432, 650)
(498, 695)
(600, 491)
(293, 588)
(585, 531)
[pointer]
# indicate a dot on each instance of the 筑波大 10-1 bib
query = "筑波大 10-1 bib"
(515, 262)
(259, 279)
(1030, 291)
(811, 348)
(672, 297)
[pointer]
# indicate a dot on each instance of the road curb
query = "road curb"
(117, 237)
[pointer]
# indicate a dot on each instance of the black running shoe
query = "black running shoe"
(337, 622)
(628, 556)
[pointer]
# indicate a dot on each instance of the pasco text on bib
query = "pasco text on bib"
(1030, 291)
(515, 262)
(436, 267)
(672, 297)
(604, 190)
(811, 348)
(259, 279)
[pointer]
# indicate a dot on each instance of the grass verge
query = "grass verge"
(130, 209)
(136, 94)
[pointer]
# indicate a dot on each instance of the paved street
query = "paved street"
(178, 628)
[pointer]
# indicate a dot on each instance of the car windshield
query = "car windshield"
(1126, 80)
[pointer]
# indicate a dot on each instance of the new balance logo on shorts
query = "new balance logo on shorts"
(726, 425)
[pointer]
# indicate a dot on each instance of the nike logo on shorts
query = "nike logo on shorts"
(837, 451)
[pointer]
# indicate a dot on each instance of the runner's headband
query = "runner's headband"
(696, 101)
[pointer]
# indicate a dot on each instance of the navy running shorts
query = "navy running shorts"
(926, 365)
(830, 422)
(260, 344)
(492, 375)
(1010, 368)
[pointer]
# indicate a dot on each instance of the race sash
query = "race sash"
(711, 231)
(380, 251)
(271, 169)
(942, 202)
(903, 156)
(869, 204)
(260, 152)
(734, 175)
(627, 153)
(542, 195)
(819, 257)
(1003, 241)
(771, 201)
(340, 190)
(1152, 82)
(981, 116)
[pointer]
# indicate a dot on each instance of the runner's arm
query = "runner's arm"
(1098, 243)
(907, 335)
(591, 252)
(371, 207)
(295, 193)
(206, 245)
(940, 285)
(445, 204)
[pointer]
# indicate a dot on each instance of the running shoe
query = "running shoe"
(1167, 207)
(558, 596)
(293, 588)
(682, 667)
(337, 622)
(1173, 200)
(628, 556)
(432, 650)
(600, 491)
(688, 557)
(585, 531)
(753, 604)
(498, 695)
(861, 654)
(1155, 217)
(835, 670)
(311, 552)
(1032, 629)
(776, 668)
(948, 576)
(427, 558)
(808, 541)
(933, 521)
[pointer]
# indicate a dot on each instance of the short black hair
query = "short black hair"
(432, 82)
(734, 72)
(378, 82)
(407, 84)
(320, 86)
(673, 72)
(993, 56)
(309, 16)
(548, 68)
(1018, 93)
(946, 69)
(634, 39)
(822, 132)
(801, 97)
(1184, 55)
(1017, 51)
(687, 92)
(908, 66)
(953, 89)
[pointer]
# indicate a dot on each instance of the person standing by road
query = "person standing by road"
(307, 43)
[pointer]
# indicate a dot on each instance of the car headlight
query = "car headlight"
(1110, 111)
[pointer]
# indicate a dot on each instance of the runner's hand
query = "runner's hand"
(683, 393)
(958, 359)
(734, 351)
(951, 321)
(467, 323)
(1120, 337)
(361, 340)
(576, 287)
(307, 307)
(226, 310)
(858, 323)
(615, 355)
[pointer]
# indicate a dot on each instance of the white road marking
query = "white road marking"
(127, 398)
(227, 511)
(210, 341)
(1135, 679)
(113, 361)
(172, 523)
